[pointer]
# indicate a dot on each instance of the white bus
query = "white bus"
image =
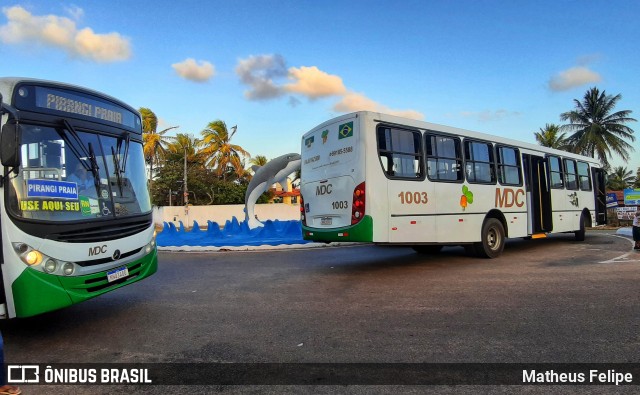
(75, 214)
(371, 177)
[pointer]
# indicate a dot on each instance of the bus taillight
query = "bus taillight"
(357, 208)
(303, 218)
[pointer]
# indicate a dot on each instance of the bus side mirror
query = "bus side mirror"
(10, 145)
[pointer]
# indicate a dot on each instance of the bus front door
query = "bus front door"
(599, 181)
(538, 194)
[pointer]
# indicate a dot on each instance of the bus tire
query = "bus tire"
(580, 234)
(493, 238)
(427, 249)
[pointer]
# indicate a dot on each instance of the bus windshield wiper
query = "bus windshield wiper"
(82, 153)
(126, 151)
(117, 169)
(76, 146)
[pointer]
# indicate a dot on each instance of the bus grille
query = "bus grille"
(107, 260)
(101, 233)
(101, 284)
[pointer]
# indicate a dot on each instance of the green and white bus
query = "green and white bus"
(75, 212)
(371, 177)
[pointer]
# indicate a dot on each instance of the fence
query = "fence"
(222, 213)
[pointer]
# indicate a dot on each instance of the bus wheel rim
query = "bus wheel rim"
(493, 239)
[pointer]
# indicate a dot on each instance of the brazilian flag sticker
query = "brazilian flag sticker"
(345, 130)
(308, 142)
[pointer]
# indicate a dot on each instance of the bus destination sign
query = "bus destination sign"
(65, 101)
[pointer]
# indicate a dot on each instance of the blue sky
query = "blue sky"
(278, 68)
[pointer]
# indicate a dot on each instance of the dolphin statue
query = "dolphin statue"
(276, 170)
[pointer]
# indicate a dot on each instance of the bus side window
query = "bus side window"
(400, 152)
(509, 169)
(557, 173)
(571, 174)
(583, 176)
(444, 158)
(480, 164)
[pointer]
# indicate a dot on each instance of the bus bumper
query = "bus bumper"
(360, 232)
(35, 292)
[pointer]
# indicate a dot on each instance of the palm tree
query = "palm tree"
(221, 154)
(154, 142)
(620, 179)
(183, 144)
(258, 160)
(597, 129)
(636, 183)
(550, 136)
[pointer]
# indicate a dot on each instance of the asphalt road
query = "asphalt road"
(550, 300)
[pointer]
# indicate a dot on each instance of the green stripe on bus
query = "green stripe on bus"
(36, 292)
(362, 232)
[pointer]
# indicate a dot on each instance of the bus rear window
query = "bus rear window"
(400, 153)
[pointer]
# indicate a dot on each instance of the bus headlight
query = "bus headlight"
(152, 244)
(68, 268)
(33, 257)
(50, 265)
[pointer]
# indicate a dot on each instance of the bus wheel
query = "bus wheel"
(432, 249)
(493, 238)
(581, 233)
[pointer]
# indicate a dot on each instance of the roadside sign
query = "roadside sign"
(612, 200)
(631, 197)
(626, 212)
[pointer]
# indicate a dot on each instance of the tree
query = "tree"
(636, 183)
(258, 160)
(185, 143)
(550, 136)
(218, 150)
(620, 179)
(597, 129)
(154, 142)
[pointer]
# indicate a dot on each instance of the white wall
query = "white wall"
(221, 214)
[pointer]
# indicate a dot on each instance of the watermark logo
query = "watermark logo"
(23, 374)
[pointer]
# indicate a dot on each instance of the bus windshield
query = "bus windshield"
(70, 174)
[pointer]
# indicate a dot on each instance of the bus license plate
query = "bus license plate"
(117, 274)
(326, 221)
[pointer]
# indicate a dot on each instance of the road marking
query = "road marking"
(624, 258)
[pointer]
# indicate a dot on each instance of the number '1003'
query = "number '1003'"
(413, 197)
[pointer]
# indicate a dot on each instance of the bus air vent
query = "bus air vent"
(103, 232)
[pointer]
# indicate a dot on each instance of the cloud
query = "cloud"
(259, 72)
(489, 115)
(61, 32)
(353, 101)
(573, 77)
(189, 69)
(314, 83)
(262, 74)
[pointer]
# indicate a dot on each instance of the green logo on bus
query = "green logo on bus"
(345, 130)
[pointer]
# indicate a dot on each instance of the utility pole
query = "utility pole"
(186, 190)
